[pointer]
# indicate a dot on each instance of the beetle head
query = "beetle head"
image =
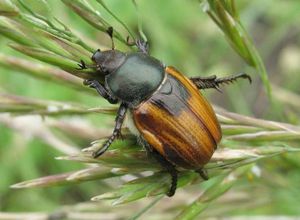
(108, 61)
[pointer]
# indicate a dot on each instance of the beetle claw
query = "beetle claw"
(85, 82)
(171, 193)
(101, 150)
(142, 45)
(203, 173)
(218, 88)
(246, 76)
(98, 153)
(90, 83)
(82, 65)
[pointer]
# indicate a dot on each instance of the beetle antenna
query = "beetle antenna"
(110, 32)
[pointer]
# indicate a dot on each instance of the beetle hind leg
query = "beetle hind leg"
(203, 173)
(173, 173)
(214, 82)
(170, 168)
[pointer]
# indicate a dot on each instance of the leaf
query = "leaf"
(69, 178)
(7, 8)
(8, 30)
(223, 13)
(56, 60)
(46, 56)
(38, 8)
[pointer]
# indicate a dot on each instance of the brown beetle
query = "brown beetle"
(169, 116)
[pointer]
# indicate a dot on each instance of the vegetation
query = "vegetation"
(47, 115)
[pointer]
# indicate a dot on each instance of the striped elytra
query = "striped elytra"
(178, 122)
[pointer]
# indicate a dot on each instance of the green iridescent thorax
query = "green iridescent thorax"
(136, 79)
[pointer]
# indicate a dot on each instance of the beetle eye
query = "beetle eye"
(96, 55)
(105, 71)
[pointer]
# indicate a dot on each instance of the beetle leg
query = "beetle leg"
(143, 46)
(203, 173)
(117, 130)
(170, 168)
(214, 82)
(100, 89)
(82, 65)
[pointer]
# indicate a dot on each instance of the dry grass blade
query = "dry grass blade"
(29, 106)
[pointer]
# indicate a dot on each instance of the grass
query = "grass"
(45, 106)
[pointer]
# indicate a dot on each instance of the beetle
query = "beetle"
(166, 111)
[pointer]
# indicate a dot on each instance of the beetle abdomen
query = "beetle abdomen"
(178, 122)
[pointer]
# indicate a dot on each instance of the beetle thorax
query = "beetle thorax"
(136, 79)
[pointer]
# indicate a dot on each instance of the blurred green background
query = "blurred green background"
(181, 35)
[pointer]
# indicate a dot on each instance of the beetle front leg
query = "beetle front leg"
(101, 90)
(170, 168)
(117, 130)
(142, 45)
(214, 82)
